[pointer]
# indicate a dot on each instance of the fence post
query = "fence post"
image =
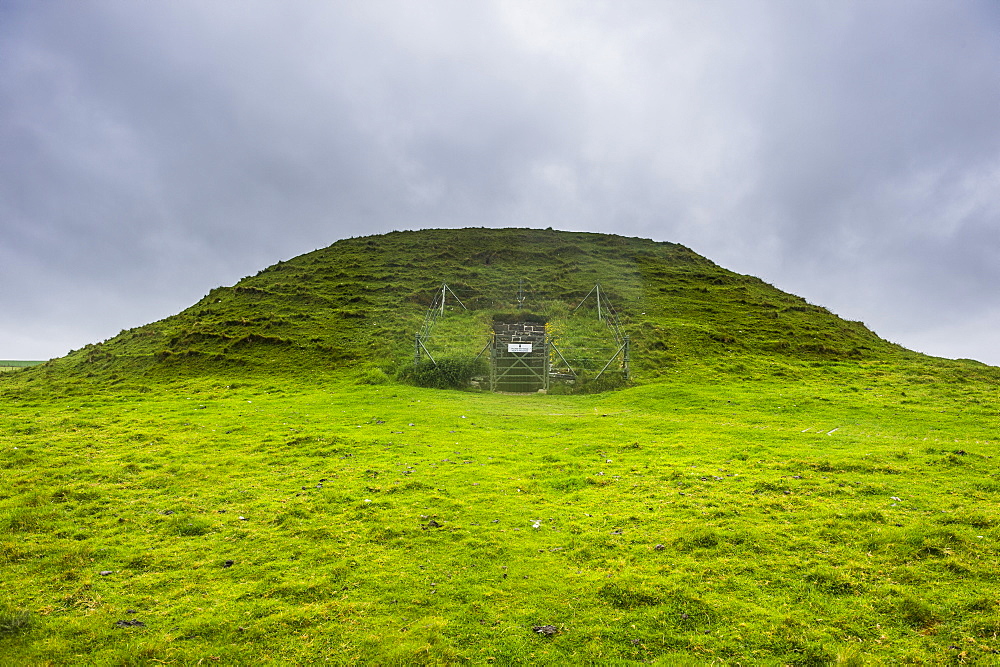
(625, 361)
(545, 365)
(493, 363)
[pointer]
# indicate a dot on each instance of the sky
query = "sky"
(845, 151)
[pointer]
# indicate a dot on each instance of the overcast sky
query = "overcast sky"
(848, 152)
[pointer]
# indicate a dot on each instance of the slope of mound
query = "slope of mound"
(357, 303)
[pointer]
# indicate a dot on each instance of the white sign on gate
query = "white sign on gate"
(519, 347)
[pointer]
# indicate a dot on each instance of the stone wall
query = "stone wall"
(519, 332)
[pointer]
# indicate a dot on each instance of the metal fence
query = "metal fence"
(526, 361)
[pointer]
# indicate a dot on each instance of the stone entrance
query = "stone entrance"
(519, 356)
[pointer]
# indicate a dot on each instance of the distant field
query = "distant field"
(7, 365)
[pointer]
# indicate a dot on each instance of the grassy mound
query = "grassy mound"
(246, 482)
(357, 304)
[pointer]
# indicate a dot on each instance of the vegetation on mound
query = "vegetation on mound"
(359, 302)
(445, 372)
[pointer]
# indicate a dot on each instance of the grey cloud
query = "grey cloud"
(844, 151)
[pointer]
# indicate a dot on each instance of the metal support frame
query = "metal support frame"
(489, 344)
(595, 288)
(493, 366)
(625, 370)
(605, 313)
(417, 347)
(615, 356)
(445, 290)
(430, 319)
(551, 343)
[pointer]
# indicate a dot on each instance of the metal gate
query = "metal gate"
(519, 367)
(519, 355)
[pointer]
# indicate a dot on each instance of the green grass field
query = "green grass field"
(761, 501)
(17, 365)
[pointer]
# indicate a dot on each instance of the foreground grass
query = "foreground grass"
(773, 521)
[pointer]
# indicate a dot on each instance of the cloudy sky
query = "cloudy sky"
(848, 152)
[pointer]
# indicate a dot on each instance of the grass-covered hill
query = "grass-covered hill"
(357, 304)
(248, 481)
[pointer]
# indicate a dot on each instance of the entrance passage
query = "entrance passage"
(519, 357)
